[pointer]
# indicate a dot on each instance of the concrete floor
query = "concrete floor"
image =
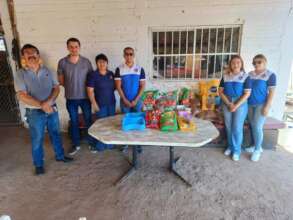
(222, 189)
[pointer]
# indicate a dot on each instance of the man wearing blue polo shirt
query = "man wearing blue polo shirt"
(130, 84)
(37, 88)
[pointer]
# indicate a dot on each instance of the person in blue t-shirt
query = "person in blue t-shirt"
(260, 100)
(100, 89)
(130, 83)
(234, 90)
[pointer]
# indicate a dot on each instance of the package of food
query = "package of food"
(168, 101)
(185, 122)
(168, 121)
(184, 97)
(153, 119)
(149, 99)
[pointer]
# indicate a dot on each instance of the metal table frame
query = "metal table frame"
(134, 166)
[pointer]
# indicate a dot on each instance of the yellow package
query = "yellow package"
(184, 122)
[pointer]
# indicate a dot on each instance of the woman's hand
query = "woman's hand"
(265, 110)
(96, 107)
(232, 107)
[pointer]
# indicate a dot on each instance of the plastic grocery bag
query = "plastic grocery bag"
(185, 122)
(184, 97)
(153, 119)
(168, 101)
(149, 99)
(168, 121)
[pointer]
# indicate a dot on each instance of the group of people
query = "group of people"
(93, 91)
(89, 90)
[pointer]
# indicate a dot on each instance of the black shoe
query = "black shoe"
(73, 150)
(39, 171)
(65, 159)
(139, 149)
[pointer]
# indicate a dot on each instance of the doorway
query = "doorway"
(9, 109)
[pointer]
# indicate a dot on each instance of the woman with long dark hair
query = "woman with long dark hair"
(235, 88)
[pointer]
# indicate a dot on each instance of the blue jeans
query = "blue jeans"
(234, 122)
(104, 112)
(136, 108)
(38, 120)
(72, 108)
(256, 121)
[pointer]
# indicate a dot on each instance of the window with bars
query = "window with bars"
(194, 53)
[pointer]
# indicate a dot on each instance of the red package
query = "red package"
(152, 119)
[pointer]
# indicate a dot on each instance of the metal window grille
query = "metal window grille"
(193, 52)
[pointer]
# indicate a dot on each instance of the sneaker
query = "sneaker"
(252, 149)
(39, 171)
(227, 152)
(236, 157)
(73, 150)
(256, 155)
(93, 149)
(65, 159)
(124, 149)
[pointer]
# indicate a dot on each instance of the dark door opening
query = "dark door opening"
(9, 109)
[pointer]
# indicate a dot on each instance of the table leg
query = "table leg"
(172, 162)
(133, 168)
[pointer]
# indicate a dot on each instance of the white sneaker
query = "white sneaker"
(256, 155)
(73, 150)
(93, 149)
(227, 152)
(236, 157)
(252, 149)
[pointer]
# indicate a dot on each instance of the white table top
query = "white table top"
(108, 130)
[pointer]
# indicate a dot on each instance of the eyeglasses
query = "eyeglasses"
(128, 54)
(257, 62)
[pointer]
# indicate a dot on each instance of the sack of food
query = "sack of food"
(168, 101)
(168, 121)
(153, 119)
(149, 99)
(185, 97)
(185, 122)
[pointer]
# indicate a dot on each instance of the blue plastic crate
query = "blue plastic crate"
(133, 121)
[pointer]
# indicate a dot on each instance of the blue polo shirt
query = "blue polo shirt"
(130, 78)
(37, 85)
(261, 83)
(104, 87)
(235, 84)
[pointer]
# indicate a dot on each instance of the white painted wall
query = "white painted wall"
(109, 26)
